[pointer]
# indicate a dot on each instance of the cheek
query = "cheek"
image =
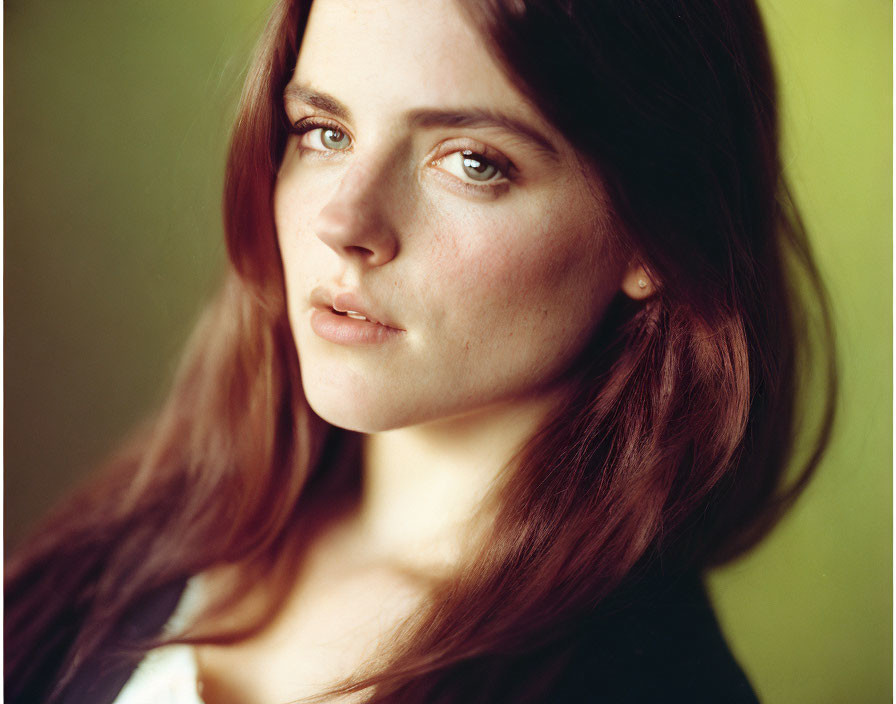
(525, 269)
(521, 293)
(302, 254)
(289, 224)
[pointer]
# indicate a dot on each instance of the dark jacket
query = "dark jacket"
(658, 642)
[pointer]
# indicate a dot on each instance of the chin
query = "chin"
(350, 418)
(366, 409)
(360, 412)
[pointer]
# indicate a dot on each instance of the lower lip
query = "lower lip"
(350, 331)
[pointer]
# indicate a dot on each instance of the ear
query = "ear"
(637, 283)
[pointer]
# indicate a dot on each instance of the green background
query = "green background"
(117, 114)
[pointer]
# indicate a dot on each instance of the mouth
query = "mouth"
(355, 315)
(351, 304)
(346, 318)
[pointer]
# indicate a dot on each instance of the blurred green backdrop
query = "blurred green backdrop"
(117, 115)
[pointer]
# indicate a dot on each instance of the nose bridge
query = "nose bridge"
(356, 221)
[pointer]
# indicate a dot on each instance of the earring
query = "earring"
(642, 284)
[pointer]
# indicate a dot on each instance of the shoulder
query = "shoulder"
(658, 642)
(101, 676)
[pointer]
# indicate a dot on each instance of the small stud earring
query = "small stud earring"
(642, 284)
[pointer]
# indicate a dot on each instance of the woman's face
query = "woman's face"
(421, 191)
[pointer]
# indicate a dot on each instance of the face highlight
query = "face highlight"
(443, 249)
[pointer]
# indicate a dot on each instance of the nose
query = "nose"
(356, 222)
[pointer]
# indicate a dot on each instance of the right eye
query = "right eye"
(322, 137)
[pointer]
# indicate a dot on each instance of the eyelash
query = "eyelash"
(492, 188)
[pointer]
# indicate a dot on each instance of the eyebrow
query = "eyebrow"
(317, 99)
(478, 117)
(428, 118)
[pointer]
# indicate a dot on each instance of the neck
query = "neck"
(423, 484)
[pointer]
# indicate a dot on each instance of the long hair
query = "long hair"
(670, 451)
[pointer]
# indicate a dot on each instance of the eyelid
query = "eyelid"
(449, 147)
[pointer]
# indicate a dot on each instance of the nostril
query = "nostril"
(359, 251)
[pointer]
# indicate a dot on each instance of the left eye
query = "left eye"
(326, 139)
(471, 167)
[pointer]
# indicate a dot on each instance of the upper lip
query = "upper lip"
(350, 301)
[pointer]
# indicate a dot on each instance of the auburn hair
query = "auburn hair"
(670, 451)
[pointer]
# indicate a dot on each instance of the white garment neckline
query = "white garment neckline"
(170, 673)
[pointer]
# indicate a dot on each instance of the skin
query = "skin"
(496, 286)
(497, 289)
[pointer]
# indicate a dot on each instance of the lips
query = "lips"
(347, 318)
(351, 305)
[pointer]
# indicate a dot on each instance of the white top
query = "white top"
(168, 675)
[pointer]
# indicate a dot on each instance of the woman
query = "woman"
(508, 355)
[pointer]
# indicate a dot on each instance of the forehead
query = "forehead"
(401, 54)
